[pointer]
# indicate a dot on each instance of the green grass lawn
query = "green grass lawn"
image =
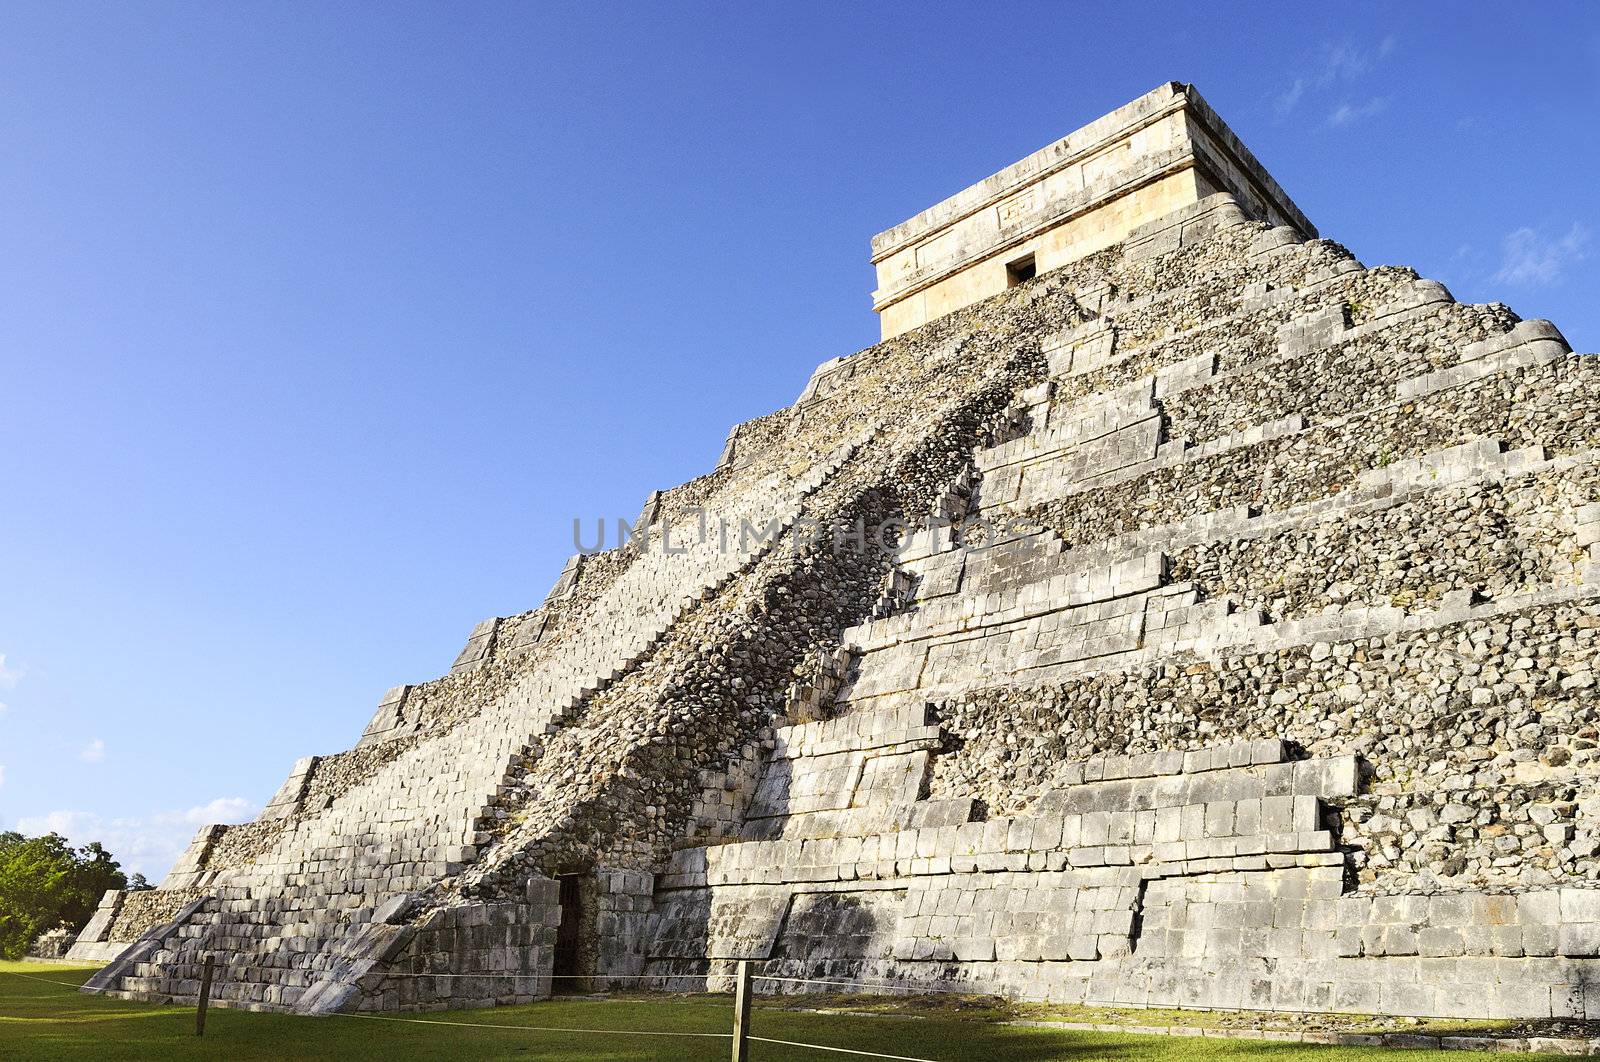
(42, 1016)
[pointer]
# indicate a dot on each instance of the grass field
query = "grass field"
(42, 1016)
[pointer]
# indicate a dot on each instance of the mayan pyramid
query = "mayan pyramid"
(1239, 651)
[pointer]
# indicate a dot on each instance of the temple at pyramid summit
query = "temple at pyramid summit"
(1087, 191)
(1169, 611)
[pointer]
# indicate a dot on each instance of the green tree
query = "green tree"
(44, 881)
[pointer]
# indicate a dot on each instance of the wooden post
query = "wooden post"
(205, 997)
(741, 1013)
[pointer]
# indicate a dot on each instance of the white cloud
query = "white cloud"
(1291, 97)
(1346, 61)
(147, 844)
(1348, 113)
(10, 675)
(4, 707)
(1533, 259)
(2, 775)
(93, 752)
(1342, 62)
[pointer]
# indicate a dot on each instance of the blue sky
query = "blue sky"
(320, 323)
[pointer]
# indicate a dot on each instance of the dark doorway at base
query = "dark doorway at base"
(567, 957)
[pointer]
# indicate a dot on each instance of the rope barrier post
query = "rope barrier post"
(205, 996)
(741, 1013)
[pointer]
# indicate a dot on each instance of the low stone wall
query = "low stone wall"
(467, 955)
(52, 944)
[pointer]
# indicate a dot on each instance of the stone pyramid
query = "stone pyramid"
(1239, 651)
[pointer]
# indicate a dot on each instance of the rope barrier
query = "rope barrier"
(840, 1050)
(46, 980)
(898, 986)
(563, 977)
(634, 1032)
(538, 1028)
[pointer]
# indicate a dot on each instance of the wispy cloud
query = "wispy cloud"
(2, 775)
(1291, 97)
(1533, 258)
(147, 844)
(93, 752)
(1349, 113)
(1341, 63)
(1350, 61)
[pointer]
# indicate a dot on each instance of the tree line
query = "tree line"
(45, 882)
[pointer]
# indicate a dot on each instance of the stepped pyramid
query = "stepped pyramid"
(1239, 651)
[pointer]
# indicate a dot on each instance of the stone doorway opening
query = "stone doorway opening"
(568, 965)
(1020, 271)
(577, 950)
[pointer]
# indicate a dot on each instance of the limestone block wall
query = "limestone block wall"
(625, 900)
(862, 771)
(466, 954)
(1222, 889)
(1060, 884)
